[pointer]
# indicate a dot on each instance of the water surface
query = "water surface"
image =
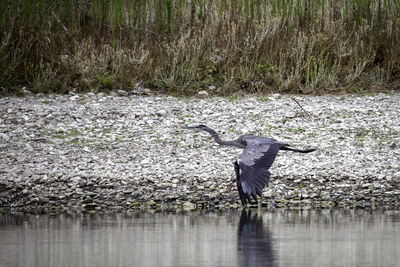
(334, 237)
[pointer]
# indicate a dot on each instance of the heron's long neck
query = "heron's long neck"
(218, 140)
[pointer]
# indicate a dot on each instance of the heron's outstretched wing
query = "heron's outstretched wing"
(252, 169)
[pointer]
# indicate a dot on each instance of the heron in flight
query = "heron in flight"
(252, 165)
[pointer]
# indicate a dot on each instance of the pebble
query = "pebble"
(74, 97)
(161, 113)
(4, 137)
(122, 92)
(202, 94)
(116, 152)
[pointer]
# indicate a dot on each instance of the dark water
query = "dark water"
(204, 238)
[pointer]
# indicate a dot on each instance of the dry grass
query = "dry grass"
(182, 47)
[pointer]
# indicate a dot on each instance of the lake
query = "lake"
(250, 237)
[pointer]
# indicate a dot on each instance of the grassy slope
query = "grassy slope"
(182, 47)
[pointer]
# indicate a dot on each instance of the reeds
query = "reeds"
(184, 46)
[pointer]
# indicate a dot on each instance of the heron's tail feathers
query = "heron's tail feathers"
(286, 147)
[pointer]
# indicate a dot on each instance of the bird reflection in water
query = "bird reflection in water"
(254, 241)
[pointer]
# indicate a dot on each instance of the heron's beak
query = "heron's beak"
(189, 127)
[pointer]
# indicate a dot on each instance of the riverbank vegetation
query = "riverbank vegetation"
(182, 47)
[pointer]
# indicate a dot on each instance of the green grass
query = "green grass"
(384, 136)
(181, 47)
(263, 98)
(294, 130)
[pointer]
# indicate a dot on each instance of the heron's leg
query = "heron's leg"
(286, 147)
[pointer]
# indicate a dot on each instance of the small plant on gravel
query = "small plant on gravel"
(294, 130)
(263, 98)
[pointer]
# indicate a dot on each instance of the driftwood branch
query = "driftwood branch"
(305, 111)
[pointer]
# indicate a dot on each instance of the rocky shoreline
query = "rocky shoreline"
(118, 152)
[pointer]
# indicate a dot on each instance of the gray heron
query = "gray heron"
(252, 165)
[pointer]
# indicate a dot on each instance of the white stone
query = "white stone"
(161, 112)
(122, 92)
(145, 161)
(202, 94)
(74, 97)
(4, 137)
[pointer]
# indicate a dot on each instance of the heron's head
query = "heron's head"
(196, 127)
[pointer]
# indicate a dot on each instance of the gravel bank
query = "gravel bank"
(97, 152)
